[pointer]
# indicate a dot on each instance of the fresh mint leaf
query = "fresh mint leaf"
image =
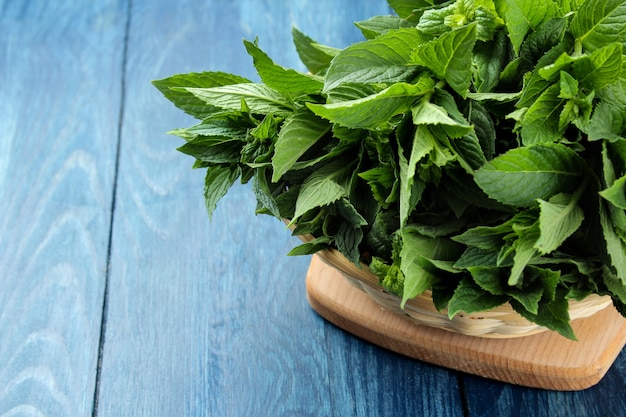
(614, 284)
(316, 57)
(541, 121)
(529, 297)
(186, 101)
(568, 86)
(257, 97)
(385, 59)
(300, 131)
(599, 22)
(216, 125)
(323, 187)
(437, 21)
(601, 68)
(477, 258)
(490, 59)
(608, 121)
(410, 9)
(616, 193)
(265, 195)
(373, 111)
(559, 218)
(523, 16)
(548, 35)
(427, 113)
(379, 25)
(311, 247)
(489, 279)
(524, 252)
(521, 176)
(484, 128)
(450, 57)
(615, 246)
(219, 178)
(469, 298)
(417, 278)
(411, 188)
(213, 149)
(433, 21)
(553, 315)
(279, 78)
(348, 240)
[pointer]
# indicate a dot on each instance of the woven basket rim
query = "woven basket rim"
(499, 322)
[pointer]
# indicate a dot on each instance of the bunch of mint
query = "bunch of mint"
(476, 148)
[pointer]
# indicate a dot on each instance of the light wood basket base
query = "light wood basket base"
(546, 360)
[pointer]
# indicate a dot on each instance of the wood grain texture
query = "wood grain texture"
(546, 360)
(60, 69)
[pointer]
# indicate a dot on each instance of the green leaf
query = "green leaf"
(186, 101)
(450, 57)
(541, 121)
(385, 59)
(258, 97)
(489, 279)
(521, 176)
(616, 193)
(264, 195)
(522, 16)
(437, 21)
(615, 246)
(373, 111)
(525, 251)
(538, 43)
(615, 93)
(381, 180)
(300, 131)
(411, 188)
(348, 239)
(607, 122)
(213, 149)
(485, 130)
(323, 187)
(407, 9)
(279, 78)
(379, 25)
(601, 68)
(417, 278)
(433, 20)
(490, 59)
(309, 248)
(427, 113)
(488, 238)
(218, 180)
(568, 85)
(600, 22)
(315, 57)
(559, 218)
(614, 284)
(553, 315)
(528, 297)
(221, 126)
(470, 298)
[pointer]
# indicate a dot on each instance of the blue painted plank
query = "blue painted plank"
(210, 318)
(489, 398)
(60, 69)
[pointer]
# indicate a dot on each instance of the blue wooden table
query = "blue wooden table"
(118, 297)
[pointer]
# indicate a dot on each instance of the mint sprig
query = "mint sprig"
(474, 148)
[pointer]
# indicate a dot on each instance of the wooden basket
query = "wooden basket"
(501, 322)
